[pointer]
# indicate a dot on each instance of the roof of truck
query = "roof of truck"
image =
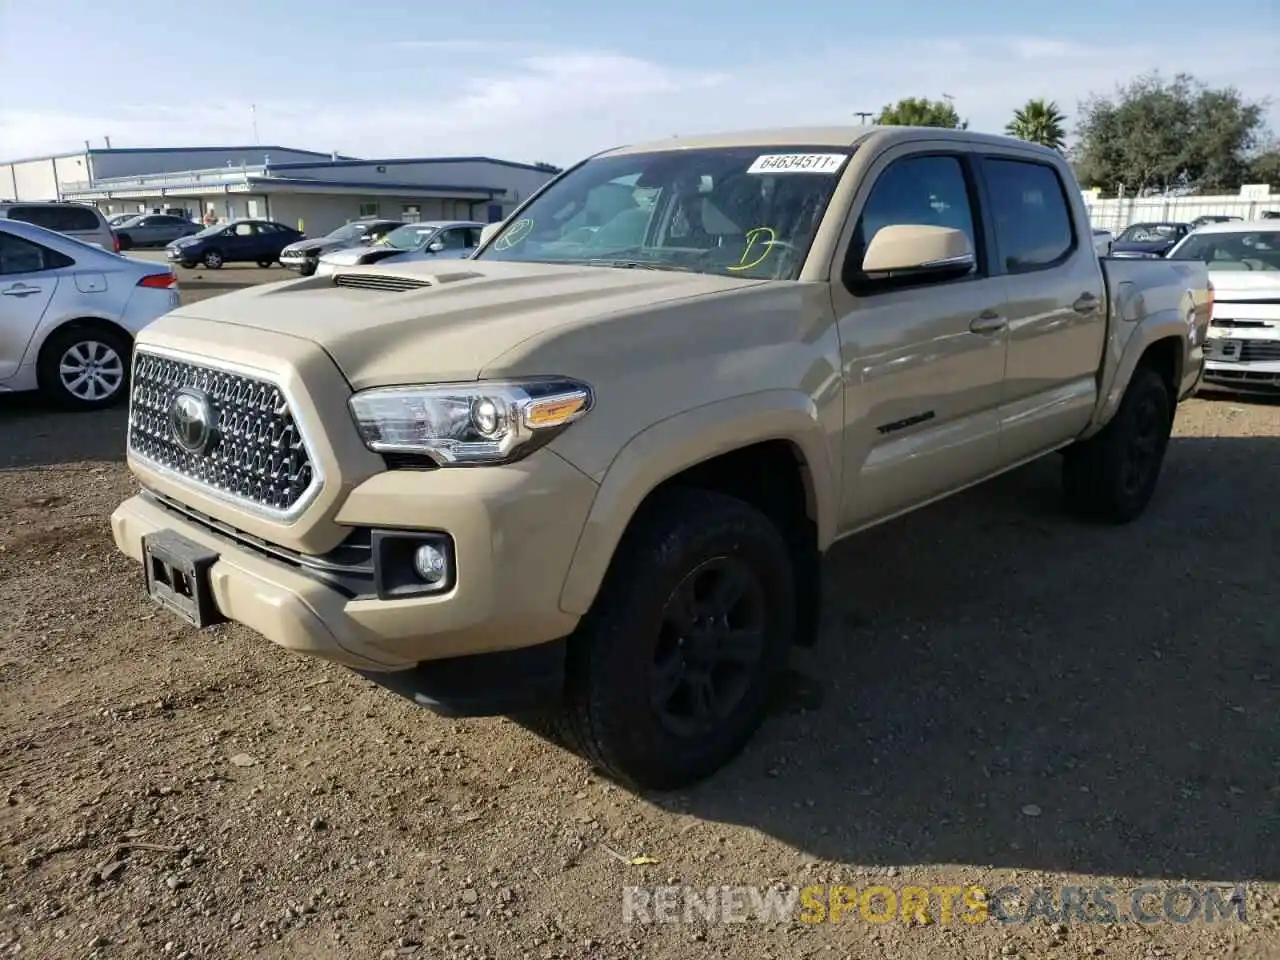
(825, 136)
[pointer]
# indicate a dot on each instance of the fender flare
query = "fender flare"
(1127, 351)
(665, 449)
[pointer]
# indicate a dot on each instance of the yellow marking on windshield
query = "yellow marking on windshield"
(754, 236)
(514, 234)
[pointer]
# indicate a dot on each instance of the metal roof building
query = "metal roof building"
(319, 190)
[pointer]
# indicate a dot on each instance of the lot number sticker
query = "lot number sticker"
(797, 163)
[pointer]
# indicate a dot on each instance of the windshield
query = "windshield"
(734, 211)
(1257, 250)
(409, 237)
(348, 231)
(1150, 233)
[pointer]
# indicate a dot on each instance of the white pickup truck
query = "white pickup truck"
(592, 469)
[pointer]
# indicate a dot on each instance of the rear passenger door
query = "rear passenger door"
(28, 278)
(1056, 309)
(923, 363)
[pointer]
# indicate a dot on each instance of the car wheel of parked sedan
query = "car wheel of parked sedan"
(265, 263)
(671, 671)
(84, 367)
(126, 241)
(212, 259)
(187, 264)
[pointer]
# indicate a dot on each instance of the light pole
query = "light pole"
(863, 114)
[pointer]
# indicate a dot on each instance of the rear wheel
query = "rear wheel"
(265, 263)
(212, 259)
(1112, 476)
(84, 367)
(671, 671)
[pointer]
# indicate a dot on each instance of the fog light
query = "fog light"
(429, 562)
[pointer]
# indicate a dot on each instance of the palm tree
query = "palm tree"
(1039, 122)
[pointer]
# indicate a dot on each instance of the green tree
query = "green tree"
(1041, 122)
(1265, 167)
(921, 112)
(1157, 133)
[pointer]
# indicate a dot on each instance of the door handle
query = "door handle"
(988, 321)
(19, 290)
(1085, 303)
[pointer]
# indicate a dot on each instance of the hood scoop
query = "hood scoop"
(398, 283)
(381, 282)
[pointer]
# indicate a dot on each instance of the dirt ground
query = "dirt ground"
(1001, 697)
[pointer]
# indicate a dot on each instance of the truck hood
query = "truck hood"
(463, 316)
(350, 256)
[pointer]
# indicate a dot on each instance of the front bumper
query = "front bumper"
(1243, 364)
(296, 261)
(514, 531)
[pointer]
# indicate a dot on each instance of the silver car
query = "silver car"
(69, 313)
(426, 240)
(78, 220)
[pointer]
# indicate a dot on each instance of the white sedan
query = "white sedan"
(69, 313)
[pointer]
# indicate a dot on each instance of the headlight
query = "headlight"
(468, 424)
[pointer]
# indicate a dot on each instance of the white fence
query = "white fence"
(1115, 214)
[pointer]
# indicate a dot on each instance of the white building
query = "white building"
(312, 191)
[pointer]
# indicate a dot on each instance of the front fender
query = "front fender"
(682, 441)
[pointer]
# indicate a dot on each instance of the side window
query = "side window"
(453, 239)
(18, 255)
(1030, 214)
(929, 190)
(243, 230)
(473, 237)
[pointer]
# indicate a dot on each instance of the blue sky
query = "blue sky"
(560, 78)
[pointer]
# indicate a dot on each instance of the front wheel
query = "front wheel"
(212, 259)
(265, 263)
(84, 368)
(1112, 476)
(671, 671)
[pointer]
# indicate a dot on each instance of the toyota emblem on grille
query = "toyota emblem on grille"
(192, 419)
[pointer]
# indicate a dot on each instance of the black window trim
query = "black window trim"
(50, 259)
(1002, 268)
(984, 249)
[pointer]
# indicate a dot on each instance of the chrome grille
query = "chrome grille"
(256, 453)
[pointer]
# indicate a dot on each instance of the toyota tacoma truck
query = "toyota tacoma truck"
(588, 474)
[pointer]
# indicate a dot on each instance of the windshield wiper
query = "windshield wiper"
(632, 264)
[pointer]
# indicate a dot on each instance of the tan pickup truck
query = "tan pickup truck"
(589, 473)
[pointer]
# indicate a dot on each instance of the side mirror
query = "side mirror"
(917, 252)
(489, 229)
(435, 246)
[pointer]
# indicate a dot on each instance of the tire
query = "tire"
(188, 264)
(612, 711)
(307, 269)
(212, 259)
(265, 263)
(1112, 476)
(126, 241)
(104, 352)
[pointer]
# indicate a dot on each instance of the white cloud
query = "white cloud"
(559, 106)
